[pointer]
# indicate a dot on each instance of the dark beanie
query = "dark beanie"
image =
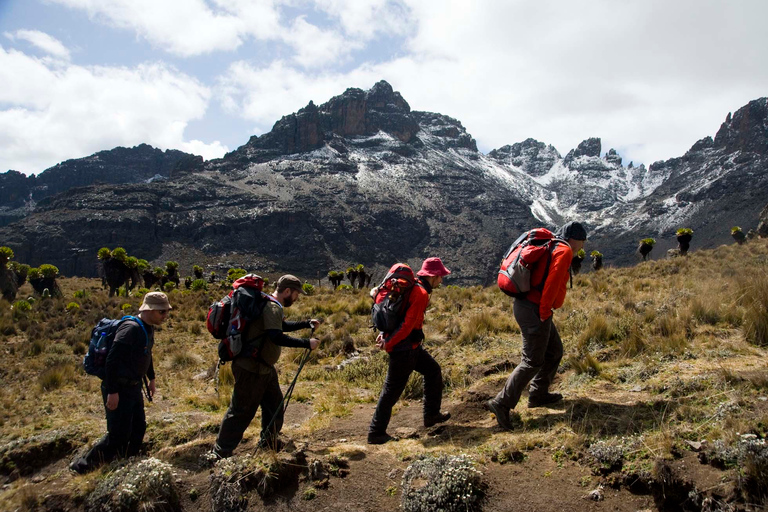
(572, 230)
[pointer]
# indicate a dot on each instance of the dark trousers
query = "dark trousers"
(401, 365)
(126, 426)
(251, 391)
(541, 355)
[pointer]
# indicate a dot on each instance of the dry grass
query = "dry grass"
(665, 351)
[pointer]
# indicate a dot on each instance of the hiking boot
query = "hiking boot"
(380, 438)
(434, 419)
(80, 466)
(275, 445)
(545, 399)
(501, 413)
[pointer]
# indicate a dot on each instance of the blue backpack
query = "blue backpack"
(102, 336)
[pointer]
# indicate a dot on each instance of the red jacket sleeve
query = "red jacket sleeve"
(414, 317)
(553, 294)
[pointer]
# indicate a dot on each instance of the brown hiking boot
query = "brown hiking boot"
(501, 413)
(434, 419)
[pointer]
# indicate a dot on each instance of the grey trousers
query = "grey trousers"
(251, 391)
(541, 355)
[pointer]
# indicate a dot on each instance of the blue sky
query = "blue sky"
(649, 77)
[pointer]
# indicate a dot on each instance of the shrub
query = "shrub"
(171, 266)
(735, 229)
(158, 272)
(596, 254)
(234, 274)
(648, 241)
(80, 294)
(73, 307)
(144, 485)
(120, 254)
(6, 254)
(104, 253)
(126, 308)
(684, 231)
(22, 306)
(198, 271)
(308, 288)
(169, 286)
(446, 484)
(142, 265)
(34, 273)
(199, 285)
(49, 271)
(343, 287)
(581, 254)
(132, 262)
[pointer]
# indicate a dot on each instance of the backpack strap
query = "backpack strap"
(552, 244)
(141, 324)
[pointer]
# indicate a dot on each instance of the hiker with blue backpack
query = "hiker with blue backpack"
(398, 312)
(121, 354)
(535, 271)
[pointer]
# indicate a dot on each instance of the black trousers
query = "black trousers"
(251, 391)
(126, 426)
(401, 365)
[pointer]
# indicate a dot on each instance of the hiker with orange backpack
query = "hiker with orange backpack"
(256, 380)
(400, 317)
(539, 287)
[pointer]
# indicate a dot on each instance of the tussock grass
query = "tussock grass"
(665, 351)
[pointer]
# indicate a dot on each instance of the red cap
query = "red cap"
(433, 267)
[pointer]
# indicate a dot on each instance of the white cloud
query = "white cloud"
(315, 47)
(365, 19)
(647, 76)
(58, 112)
(43, 41)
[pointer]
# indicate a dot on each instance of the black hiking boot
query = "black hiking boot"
(380, 438)
(274, 444)
(80, 466)
(545, 399)
(434, 419)
(501, 413)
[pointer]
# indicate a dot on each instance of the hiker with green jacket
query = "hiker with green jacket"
(542, 347)
(256, 380)
(128, 362)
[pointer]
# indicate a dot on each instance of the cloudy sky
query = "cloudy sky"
(648, 76)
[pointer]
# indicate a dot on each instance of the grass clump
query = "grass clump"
(446, 484)
(147, 485)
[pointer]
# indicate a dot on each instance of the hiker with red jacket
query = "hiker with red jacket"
(256, 380)
(406, 355)
(542, 347)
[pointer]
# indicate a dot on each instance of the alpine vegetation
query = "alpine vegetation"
(447, 483)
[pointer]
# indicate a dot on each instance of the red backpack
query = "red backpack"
(228, 317)
(519, 261)
(390, 300)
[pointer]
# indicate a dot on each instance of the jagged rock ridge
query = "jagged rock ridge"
(363, 178)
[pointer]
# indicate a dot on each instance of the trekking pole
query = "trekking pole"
(287, 397)
(146, 388)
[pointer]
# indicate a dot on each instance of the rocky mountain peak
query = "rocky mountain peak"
(589, 147)
(354, 113)
(746, 130)
(613, 158)
(531, 156)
